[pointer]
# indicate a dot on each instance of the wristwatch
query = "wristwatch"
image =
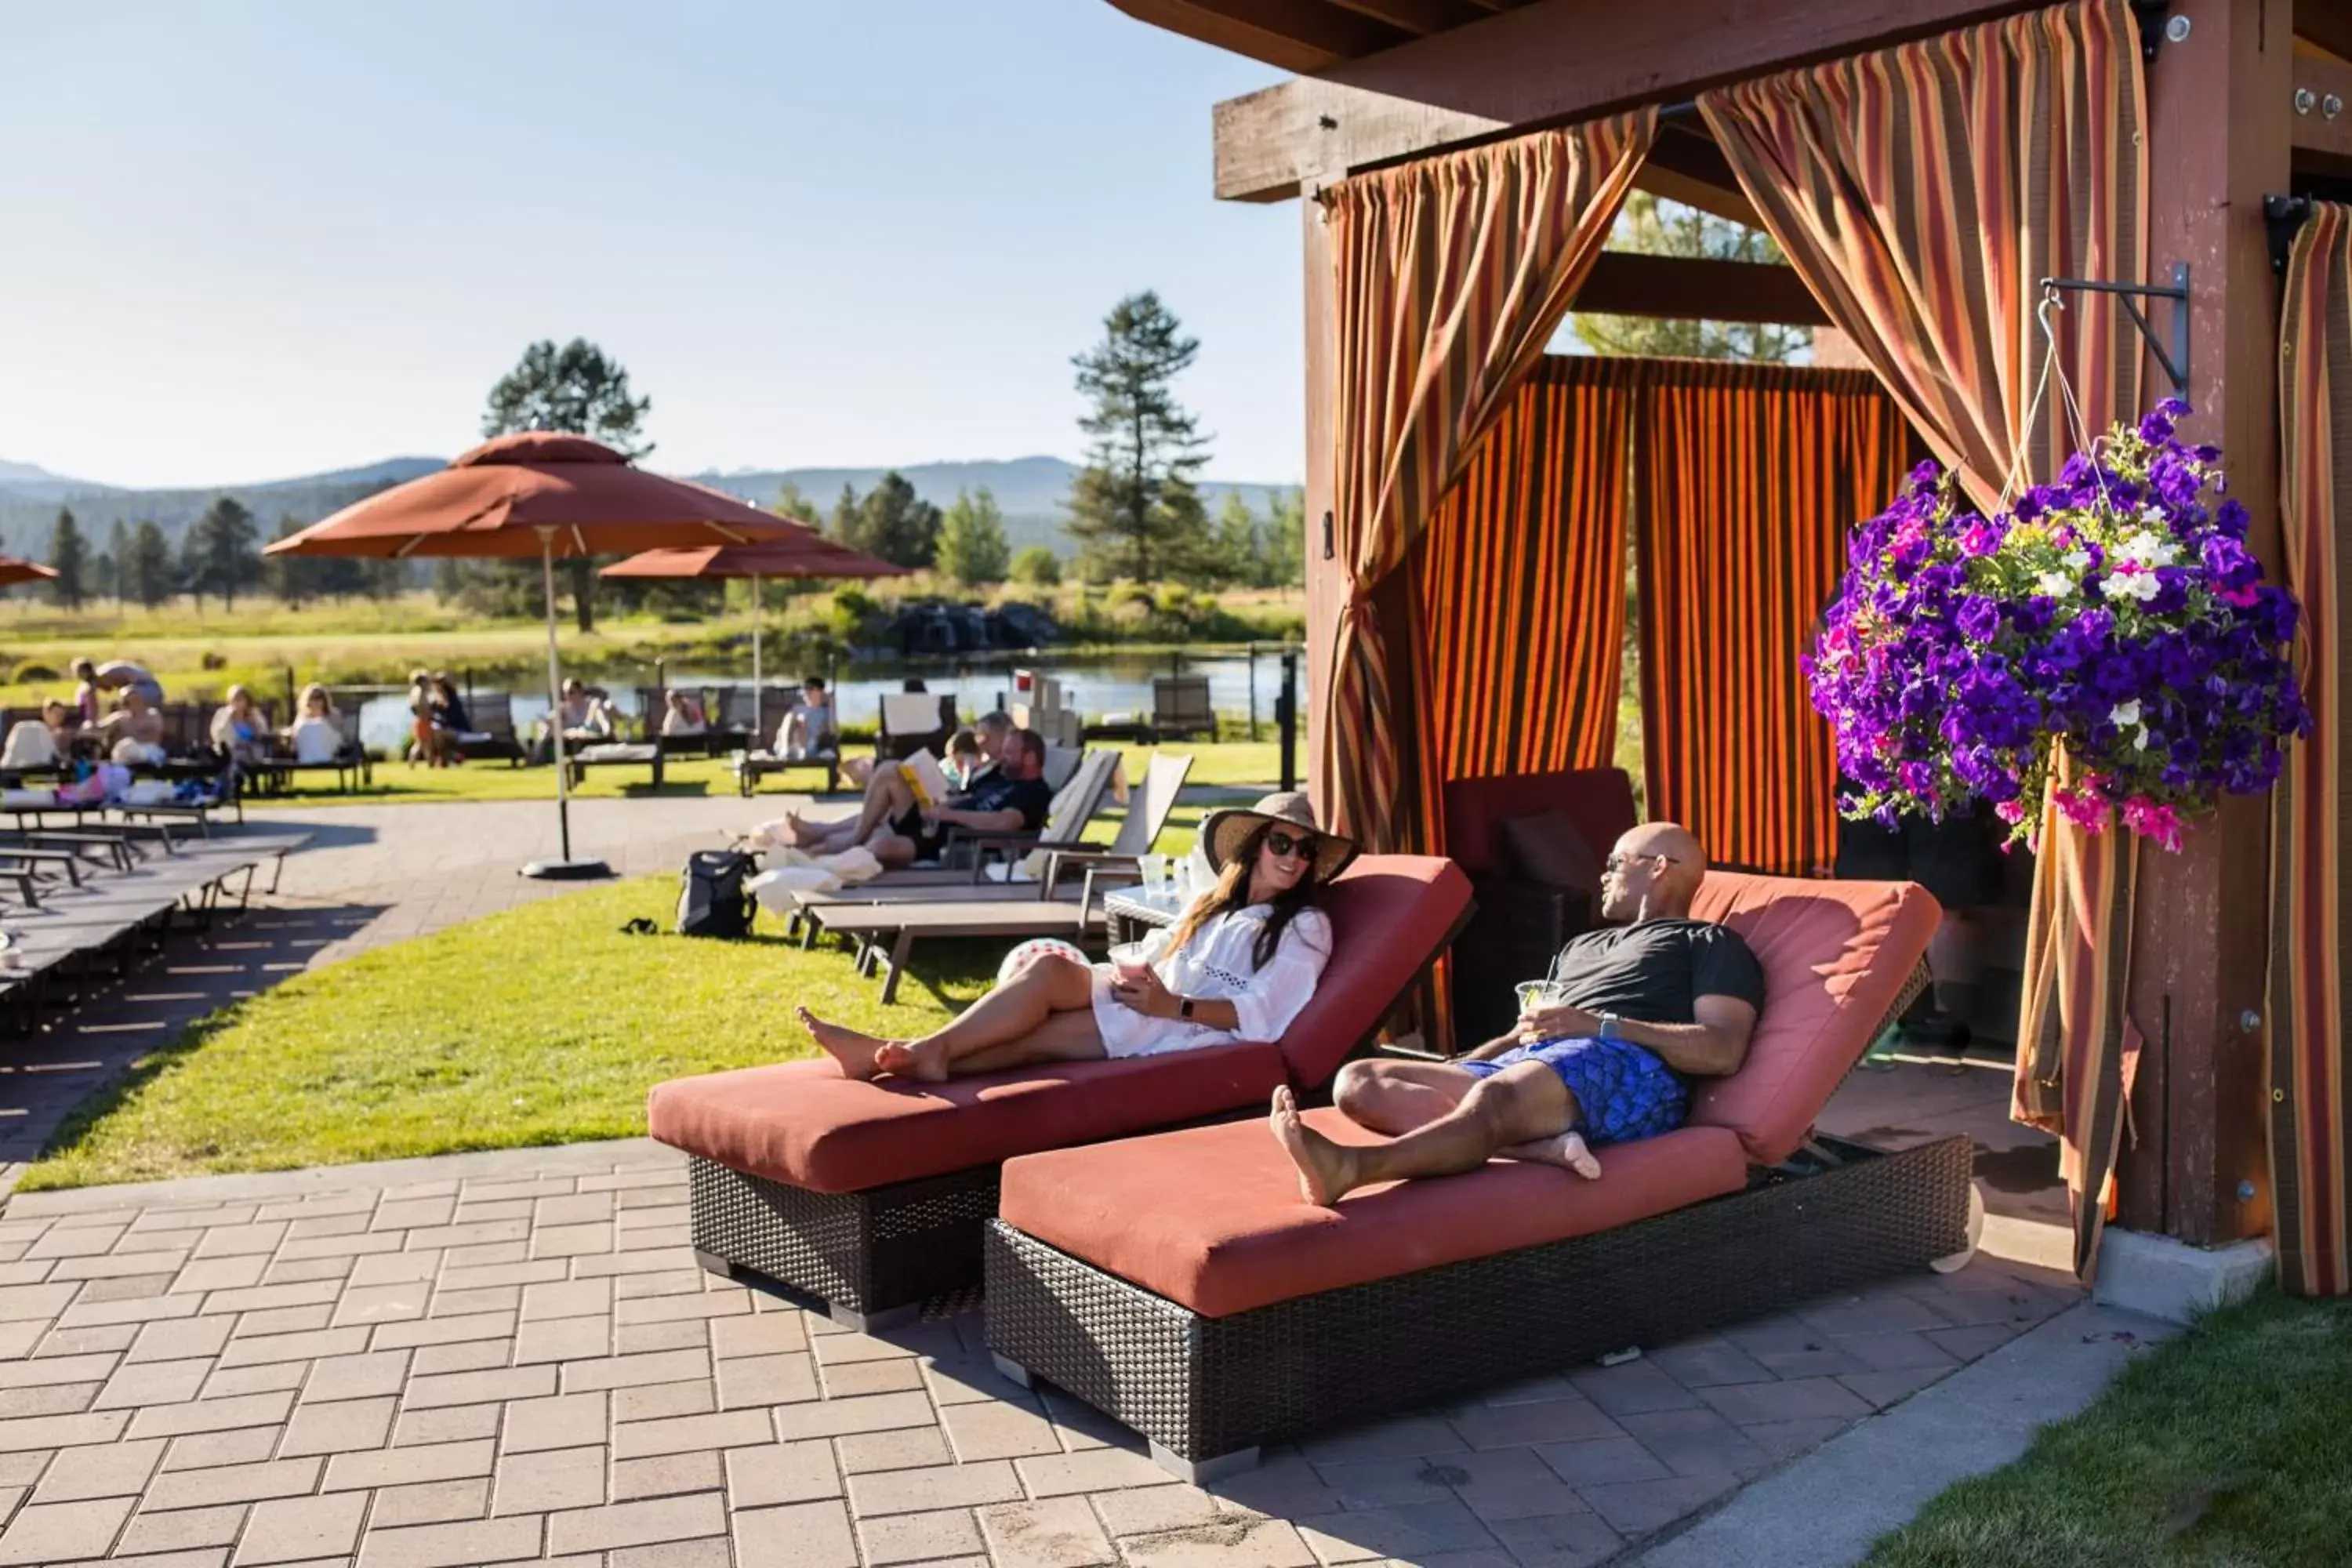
(1609, 1027)
(1183, 1006)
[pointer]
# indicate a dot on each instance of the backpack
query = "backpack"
(711, 896)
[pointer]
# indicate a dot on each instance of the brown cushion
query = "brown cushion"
(804, 1124)
(1210, 1217)
(1835, 957)
(1391, 914)
(1547, 848)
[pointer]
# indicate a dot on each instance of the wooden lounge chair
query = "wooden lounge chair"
(613, 754)
(1178, 1283)
(1180, 705)
(762, 759)
(871, 1195)
(493, 735)
(914, 722)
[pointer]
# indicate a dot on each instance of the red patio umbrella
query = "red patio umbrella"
(15, 570)
(545, 494)
(803, 555)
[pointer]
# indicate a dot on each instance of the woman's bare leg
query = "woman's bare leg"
(1065, 1038)
(1011, 1012)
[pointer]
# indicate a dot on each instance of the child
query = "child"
(809, 729)
(963, 760)
(422, 747)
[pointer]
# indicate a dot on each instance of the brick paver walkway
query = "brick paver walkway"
(512, 1357)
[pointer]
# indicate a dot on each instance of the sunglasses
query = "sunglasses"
(1282, 843)
(1617, 862)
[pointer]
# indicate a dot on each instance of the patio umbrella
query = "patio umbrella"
(545, 494)
(802, 555)
(15, 570)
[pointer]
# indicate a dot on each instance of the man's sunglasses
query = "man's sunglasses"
(1282, 843)
(1617, 862)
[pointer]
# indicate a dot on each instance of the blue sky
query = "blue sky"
(241, 240)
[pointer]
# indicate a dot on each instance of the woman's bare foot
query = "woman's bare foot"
(1568, 1151)
(854, 1050)
(1326, 1170)
(921, 1060)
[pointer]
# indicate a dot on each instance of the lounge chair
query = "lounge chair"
(493, 735)
(1180, 705)
(579, 759)
(914, 722)
(1178, 1283)
(871, 1195)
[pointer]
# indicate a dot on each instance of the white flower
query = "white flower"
(2146, 549)
(2141, 740)
(2140, 585)
(2057, 584)
(2156, 516)
(2124, 713)
(2078, 558)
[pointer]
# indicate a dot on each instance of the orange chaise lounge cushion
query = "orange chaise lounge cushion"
(1211, 1218)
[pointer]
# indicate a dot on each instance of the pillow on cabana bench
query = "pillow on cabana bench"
(1549, 849)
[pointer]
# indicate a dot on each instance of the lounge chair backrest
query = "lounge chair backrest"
(492, 715)
(1835, 955)
(1148, 806)
(1061, 764)
(909, 712)
(1599, 801)
(1180, 699)
(1079, 799)
(1390, 915)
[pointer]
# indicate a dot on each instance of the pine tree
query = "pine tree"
(149, 573)
(973, 547)
(1037, 566)
(1240, 553)
(846, 522)
(580, 388)
(1133, 509)
(1657, 227)
(795, 506)
(219, 551)
(293, 578)
(118, 546)
(893, 523)
(1285, 539)
(69, 558)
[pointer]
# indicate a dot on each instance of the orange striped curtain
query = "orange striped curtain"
(2310, 1078)
(1452, 274)
(1922, 192)
(1748, 480)
(1519, 591)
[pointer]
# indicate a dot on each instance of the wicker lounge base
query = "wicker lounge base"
(1208, 1392)
(870, 1259)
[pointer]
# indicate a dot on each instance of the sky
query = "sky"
(246, 240)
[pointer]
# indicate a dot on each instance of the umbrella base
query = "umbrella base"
(566, 870)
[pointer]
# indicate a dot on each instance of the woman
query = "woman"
(1239, 965)
(35, 743)
(237, 731)
(682, 717)
(451, 722)
(422, 746)
(317, 736)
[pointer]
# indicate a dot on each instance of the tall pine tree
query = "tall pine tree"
(118, 545)
(69, 558)
(220, 553)
(1134, 508)
(148, 574)
(580, 388)
(973, 547)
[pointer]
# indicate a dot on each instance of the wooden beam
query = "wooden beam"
(1549, 62)
(2323, 143)
(1686, 166)
(1689, 288)
(2327, 23)
(1419, 18)
(1254, 38)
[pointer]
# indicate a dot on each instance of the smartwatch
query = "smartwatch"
(1184, 1006)
(1609, 1027)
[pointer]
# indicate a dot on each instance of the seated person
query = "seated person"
(1012, 797)
(886, 789)
(451, 722)
(317, 736)
(423, 744)
(964, 760)
(577, 713)
(133, 733)
(237, 731)
(1653, 1000)
(1239, 965)
(39, 742)
(809, 729)
(682, 716)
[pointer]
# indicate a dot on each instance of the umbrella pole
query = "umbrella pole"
(566, 867)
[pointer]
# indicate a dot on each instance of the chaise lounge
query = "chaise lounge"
(1177, 1283)
(870, 1196)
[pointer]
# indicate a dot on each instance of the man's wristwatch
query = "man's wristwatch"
(1609, 1027)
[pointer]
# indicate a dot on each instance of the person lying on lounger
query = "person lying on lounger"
(1650, 1001)
(1238, 966)
(995, 800)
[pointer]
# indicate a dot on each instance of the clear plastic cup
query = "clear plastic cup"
(1155, 873)
(1127, 960)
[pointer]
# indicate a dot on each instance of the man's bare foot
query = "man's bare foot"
(1326, 1170)
(921, 1060)
(1568, 1151)
(853, 1049)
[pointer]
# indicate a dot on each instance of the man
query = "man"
(1012, 797)
(577, 713)
(1652, 1001)
(809, 727)
(887, 796)
(118, 675)
(134, 732)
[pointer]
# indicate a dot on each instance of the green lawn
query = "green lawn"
(541, 1024)
(1223, 763)
(2229, 1446)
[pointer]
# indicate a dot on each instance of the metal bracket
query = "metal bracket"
(2281, 217)
(2175, 361)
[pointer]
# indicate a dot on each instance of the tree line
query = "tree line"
(218, 557)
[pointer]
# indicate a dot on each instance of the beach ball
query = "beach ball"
(1029, 952)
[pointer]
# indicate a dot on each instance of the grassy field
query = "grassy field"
(2229, 1447)
(541, 1024)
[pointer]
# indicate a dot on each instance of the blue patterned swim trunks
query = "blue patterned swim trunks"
(1623, 1089)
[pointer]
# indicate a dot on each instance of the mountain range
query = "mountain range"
(1029, 491)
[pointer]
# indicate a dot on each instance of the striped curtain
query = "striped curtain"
(2310, 1078)
(1452, 273)
(1922, 192)
(1748, 478)
(1519, 591)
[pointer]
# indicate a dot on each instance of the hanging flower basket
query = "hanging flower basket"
(2114, 614)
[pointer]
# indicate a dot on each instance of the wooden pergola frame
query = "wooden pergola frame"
(1389, 81)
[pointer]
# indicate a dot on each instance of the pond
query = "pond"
(1099, 684)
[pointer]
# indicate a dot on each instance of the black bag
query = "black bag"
(711, 896)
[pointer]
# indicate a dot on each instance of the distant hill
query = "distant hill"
(1031, 491)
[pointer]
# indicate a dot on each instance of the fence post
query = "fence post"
(1285, 713)
(1252, 689)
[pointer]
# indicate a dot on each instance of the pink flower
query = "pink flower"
(2151, 820)
(2010, 811)
(2240, 597)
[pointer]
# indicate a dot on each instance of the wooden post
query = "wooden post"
(2218, 140)
(1327, 579)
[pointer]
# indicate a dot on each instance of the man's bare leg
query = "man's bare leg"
(1012, 1012)
(1523, 1104)
(1397, 1097)
(888, 798)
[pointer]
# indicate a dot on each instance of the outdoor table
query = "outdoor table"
(1131, 912)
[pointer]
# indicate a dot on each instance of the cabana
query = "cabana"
(1924, 166)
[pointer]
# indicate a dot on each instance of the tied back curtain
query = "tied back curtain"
(1922, 192)
(2309, 1077)
(1748, 478)
(1452, 274)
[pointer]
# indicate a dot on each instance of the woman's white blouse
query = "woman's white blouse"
(1218, 965)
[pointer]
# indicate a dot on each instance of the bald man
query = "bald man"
(1653, 1000)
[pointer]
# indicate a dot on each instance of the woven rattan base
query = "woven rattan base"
(864, 1254)
(1202, 1387)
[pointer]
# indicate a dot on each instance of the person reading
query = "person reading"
(890, 797)
(1647, 1003)
(1238, 966)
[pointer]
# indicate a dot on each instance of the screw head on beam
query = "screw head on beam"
(2175, 31)
(2306, 100)
(2331, 105)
